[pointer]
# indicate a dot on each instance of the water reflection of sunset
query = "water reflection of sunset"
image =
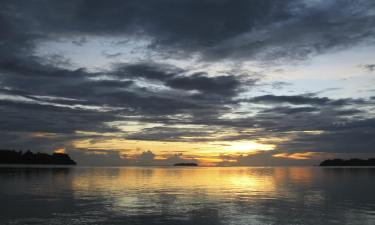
(149, 187)
(209, 178)
(210, 195)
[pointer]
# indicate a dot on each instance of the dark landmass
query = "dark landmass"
(350, 162)
(18, 157)
(185, 164)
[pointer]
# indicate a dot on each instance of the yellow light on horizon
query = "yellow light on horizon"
(59, 150)
(207, 153)
(302, 155)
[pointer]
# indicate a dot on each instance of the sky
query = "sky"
(217, 82)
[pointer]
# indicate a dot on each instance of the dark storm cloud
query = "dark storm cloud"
(25, 141)
(290, 110)
(169, 134)
(147, 70)
(29, 117)
(265, 29)
(276, 122)
(35, 79)
(45, 87)
(177, 78)
(301, 100)
(219, 85)
(351, 137)
(182, 24)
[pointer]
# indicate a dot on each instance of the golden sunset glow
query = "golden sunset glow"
(43, 135)
(302, 156)
(59, 150)
(208, 153)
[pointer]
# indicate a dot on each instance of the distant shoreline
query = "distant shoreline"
(349, 162)
(185, 164)
(11, 157)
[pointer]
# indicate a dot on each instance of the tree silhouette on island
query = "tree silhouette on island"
(349, 162)
(18, 157)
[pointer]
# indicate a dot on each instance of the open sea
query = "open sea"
(187, 195)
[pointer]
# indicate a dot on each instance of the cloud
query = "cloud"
(81, 41)
(368, 67)
(147, 70)
(218, 85)
(35, 79)
(290, 110)
(117, 158)
(29, 117)
(145, 158)
(214, 30)
(300, 100)
(48, 94)
(268, 158)
(110, 56)
(350, 137)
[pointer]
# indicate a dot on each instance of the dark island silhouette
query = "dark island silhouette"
(349, 162)
(18, 157)
(185, 164)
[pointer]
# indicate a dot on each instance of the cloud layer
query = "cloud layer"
(48, 102)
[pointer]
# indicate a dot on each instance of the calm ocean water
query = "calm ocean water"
(181, 196)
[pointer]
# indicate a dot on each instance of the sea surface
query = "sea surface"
(182, 196)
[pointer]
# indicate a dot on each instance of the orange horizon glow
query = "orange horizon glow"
(207, 153)
(302, 155)
(59, 150)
